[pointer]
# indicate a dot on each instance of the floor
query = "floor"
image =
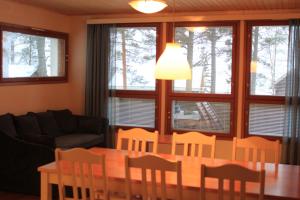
(15, 196)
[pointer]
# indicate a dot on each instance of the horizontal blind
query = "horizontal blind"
(266, 119)
(132, 112)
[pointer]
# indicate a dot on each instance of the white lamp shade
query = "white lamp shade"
(197, 29)
(148, 6)
(173, 64)
(253, 66)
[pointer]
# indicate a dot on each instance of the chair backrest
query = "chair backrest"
(135, 137)
(193, 139)
(257, 145)
(154, 164)
(232, 173)
(79, 165)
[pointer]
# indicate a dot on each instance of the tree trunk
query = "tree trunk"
(202, 82)
(213, 40)
(190, 50)
(124, 60)
(30, 50)
(254, 59)
(273, 67)
(12, 52)
(5, 57)
(41, 68)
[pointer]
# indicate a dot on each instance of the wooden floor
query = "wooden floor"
(15, 196)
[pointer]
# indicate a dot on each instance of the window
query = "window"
(266, 75)
(31, 55)
(207, 102)
(133, 102)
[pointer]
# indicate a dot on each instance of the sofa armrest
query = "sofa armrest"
(97, 125)
(21, 159)
(16, 150)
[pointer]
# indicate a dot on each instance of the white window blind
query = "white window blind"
(266, 119)
(132, 112)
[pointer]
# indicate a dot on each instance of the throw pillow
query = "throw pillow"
(7, 125)
(27, 125)
(47, 123)
(66, 121)
(89, 124)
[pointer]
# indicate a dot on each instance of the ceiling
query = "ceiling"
(88, 7)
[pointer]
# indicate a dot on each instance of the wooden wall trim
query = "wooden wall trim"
(195, 16)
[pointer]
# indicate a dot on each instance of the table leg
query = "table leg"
(46, 187)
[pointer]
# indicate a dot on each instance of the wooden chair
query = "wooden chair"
(136, 136)
(193, 139)
(233, 173)
(258, 146)
(75, 169)
(154, 164)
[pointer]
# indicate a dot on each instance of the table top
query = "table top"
(285, 184)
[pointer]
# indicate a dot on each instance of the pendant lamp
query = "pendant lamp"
(197, 29)
(173, 64)
(148, 6)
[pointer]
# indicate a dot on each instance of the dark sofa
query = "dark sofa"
(28, 141)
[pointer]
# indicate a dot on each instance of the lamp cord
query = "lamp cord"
(173, 24)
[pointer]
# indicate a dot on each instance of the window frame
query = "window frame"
(256, 99)
(143, 94)
(37, 32)
(229, 98)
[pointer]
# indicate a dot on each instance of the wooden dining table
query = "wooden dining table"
(283, 183)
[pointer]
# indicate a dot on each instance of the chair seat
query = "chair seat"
(84, 140)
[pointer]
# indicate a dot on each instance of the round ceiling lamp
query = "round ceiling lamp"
(148, 6)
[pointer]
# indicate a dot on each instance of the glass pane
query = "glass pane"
(209, 52)
(269, 60)
(132, 112)
(135, 59)
(266, 119)
(201, 116)
(27, 55)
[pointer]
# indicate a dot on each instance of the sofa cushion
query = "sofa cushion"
(89, 124)
(66, 121)
(7, 125)
(47, 123)
(27, 125)
(40, 139)
(84, 140)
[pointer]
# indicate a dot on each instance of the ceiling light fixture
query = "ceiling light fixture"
(173, 64)
(148, 6)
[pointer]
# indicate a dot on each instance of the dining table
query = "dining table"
(283, 183)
